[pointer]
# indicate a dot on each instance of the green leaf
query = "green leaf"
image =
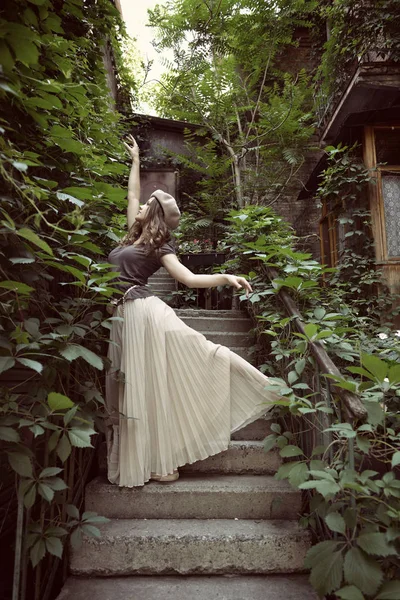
(327, 488)
(375, 543)
(64, 448)
(310, 330)
(320, 550)
(275, 427)
(336, 522)
(56, 483)
(20, 166)
(81, 437)
(58, 401)
(54, 546)
(91, 530)
(327, 575)
(376, 414)
(32, 237)
(50, 472)
(30, 497)
(298, 474)
(299, 366)
(349, 592)
(20, 463)
(375, 365)
(6, 362)
(363, 443)
(319, 313)
(395, 459)
(72, 511)
(46, 492)
(76, 538)
(6, 58)
(270, 442)
(17, 286)
(71, 199)
(290, 450)
(32, 364)
(389, 591)
(74, 351)
(8, 434)
(394, 374)
(362, 571)
(25, 50)
(37, 552)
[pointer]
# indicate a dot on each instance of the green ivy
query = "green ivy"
(347, 469)
(61, 165)
(357, 28)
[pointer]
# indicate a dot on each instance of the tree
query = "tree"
(226, 77)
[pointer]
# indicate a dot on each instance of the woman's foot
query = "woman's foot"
(165, 478)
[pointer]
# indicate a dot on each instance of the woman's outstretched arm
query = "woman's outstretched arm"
(134, 182)
(179, 272)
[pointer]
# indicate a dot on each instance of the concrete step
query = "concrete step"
(192, 547)
(217, 587)
(229, 338)
(197, 497)
(258, 430)
(157, 280)
(218, 324)
(243, 351)
(163, 287)
(162, 272)
(210, 314)
(242, 456)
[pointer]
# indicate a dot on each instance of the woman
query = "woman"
(173, 397)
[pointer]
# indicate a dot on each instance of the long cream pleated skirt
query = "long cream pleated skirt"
(172, 396)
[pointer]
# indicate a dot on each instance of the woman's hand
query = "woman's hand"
(239, 282)
(134, 149)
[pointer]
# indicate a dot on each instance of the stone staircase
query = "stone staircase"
(225, 530)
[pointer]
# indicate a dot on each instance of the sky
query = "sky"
(135, 16)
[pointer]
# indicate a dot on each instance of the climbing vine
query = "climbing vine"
(348, 469)
(356, 30)
(61, 165)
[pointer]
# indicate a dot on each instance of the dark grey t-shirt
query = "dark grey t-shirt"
(135, 267)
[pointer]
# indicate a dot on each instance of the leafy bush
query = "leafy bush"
(61, 169)
(347, 466)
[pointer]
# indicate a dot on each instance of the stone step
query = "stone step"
(258, 430)
(241, 457)
(244, 352)
(162, 272)
(229, 338)
(197, 497)
(163, 287)
(218, 324)
(215, 587)
(190, 547)
(210, 314)
(161, 279)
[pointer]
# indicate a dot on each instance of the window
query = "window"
(382, 156)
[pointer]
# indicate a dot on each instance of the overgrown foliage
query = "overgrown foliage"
(226, 77)
(61, 169)
(358, 31)
(348, 468)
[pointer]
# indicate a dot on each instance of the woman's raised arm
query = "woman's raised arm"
(134, 181)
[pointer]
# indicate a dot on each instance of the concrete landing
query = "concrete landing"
(192, 547)
(255, 587)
